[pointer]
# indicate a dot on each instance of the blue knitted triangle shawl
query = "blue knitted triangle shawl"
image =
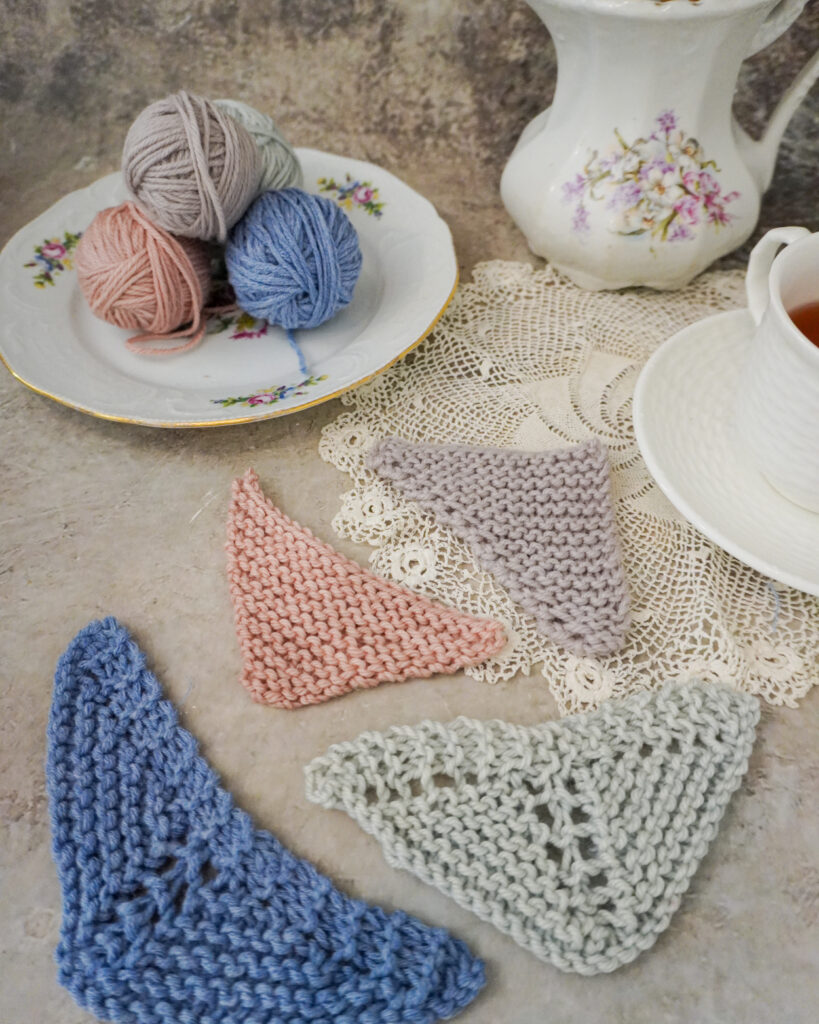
(176, 910)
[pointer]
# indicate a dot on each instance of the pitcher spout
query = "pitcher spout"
(760, 157)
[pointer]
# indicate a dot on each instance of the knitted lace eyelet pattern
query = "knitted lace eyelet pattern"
(313, 624)
(177, 910)
(541, 522)
(578, 838)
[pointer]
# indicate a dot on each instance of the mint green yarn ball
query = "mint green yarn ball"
(280, 165)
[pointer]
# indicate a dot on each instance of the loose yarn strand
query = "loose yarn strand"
(298, 350)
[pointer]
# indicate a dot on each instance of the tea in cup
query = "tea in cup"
(806, 319)
(777, 401)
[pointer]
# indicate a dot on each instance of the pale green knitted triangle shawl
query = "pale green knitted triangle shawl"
(578, 838)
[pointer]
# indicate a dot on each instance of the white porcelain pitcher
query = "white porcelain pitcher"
(638, 174)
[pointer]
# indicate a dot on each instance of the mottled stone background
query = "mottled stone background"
(100, 518)
(437, 91)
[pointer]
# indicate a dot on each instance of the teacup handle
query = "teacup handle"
(759, 266)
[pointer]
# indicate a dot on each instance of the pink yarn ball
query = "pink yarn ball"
(137, 276)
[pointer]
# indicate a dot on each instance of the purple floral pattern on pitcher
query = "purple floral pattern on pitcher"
(661, 185)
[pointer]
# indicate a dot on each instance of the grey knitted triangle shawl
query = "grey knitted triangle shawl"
(578, 838)
(541, 522)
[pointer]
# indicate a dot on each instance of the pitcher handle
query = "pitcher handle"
(759, 266)
(783, 15)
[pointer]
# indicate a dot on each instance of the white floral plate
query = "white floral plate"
(243, 370)
(683, 421)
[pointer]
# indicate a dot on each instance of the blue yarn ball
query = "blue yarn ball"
(293, 259)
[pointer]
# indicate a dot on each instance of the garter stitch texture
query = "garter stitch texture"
(578, 838)
(313, 625)
(176, 910)
(541, 522)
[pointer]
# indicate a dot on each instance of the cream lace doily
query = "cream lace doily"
(522, 358)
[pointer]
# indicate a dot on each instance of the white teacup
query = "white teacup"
(777, 401)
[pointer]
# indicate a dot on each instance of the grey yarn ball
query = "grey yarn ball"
(191, 166)
(280, 165)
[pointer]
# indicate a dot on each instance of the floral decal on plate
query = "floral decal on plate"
(353, 194)
(660, 185)
(270, 396)
(245, 325)
(53, 257)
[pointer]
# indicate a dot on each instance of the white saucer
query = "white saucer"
(243, 370)
(682, 417)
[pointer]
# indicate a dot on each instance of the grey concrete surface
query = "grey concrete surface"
(100, 518)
